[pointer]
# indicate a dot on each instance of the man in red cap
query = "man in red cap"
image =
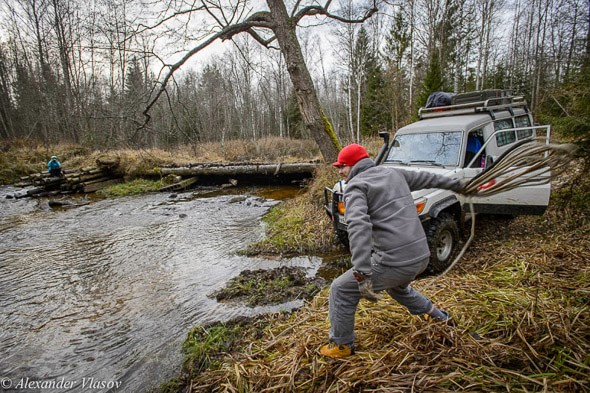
(387, 242)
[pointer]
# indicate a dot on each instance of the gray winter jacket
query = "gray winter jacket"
(382, 217)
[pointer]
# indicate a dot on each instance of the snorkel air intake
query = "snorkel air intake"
(384, 148)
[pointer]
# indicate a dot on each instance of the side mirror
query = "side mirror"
(489, 161)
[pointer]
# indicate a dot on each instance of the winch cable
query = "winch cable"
(530, 163)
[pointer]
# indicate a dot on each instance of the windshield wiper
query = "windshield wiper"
(398, 162)
(431, 162)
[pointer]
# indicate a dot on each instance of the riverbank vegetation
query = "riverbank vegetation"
(520, 297)
(24, 157)
(133, 187)
(300, 225)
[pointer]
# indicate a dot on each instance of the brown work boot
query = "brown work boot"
(333, 350)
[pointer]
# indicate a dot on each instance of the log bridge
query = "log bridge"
(106, 173)
(84, 180)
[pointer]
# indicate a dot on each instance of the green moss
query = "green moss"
(172, 386)
(287, 232)
(135, 187)
(329, 129)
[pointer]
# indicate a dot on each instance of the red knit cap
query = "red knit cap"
(350, 155)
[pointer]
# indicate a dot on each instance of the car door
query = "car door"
(501, 136)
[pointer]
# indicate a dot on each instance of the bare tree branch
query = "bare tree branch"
(210, 12)
(295, 7)
(319, 10)
(256, 20)
(142, 28)
(264, 42)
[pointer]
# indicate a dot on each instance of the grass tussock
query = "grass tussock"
(521, 300)
(133, 187)
(269, 286)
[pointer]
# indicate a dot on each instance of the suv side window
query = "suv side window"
(521, 122)
(507, 137)
(474, 143)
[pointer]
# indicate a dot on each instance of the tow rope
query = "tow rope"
(529, 163)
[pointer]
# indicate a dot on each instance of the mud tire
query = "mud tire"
(343, 238)
(443, 240)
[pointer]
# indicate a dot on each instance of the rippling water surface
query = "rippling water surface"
(109, 290)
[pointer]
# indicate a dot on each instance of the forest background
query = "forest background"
(84, 72)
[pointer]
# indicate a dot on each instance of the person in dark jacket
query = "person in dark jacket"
(54, 166)
(387, 242)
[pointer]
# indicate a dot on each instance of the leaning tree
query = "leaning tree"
(271, 26)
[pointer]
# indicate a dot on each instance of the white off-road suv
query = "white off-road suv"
(458, 140)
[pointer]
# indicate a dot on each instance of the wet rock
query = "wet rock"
(237, 199)
(64, 204)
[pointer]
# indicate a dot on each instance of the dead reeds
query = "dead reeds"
(520, 298)
(20, 158)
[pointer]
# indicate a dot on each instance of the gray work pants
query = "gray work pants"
(345, 296)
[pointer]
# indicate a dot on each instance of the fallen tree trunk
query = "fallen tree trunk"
(242, 169)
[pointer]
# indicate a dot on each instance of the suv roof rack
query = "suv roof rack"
(489, 106)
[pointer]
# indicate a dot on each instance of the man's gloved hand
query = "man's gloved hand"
(460, 188)
(366, 286)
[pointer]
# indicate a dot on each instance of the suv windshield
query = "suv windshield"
(433, 148)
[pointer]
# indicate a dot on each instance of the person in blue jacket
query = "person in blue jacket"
(54, 166)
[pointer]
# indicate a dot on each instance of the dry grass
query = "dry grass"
(521, 300)
(300, 225)
(20, 158)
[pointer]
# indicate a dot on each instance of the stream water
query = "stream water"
(102, 295)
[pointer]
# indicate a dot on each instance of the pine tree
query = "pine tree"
(398, 86)
(433, 80)
(135, 86)
(375, 105)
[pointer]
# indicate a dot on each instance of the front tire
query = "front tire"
(343, 238)
(443, 241)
